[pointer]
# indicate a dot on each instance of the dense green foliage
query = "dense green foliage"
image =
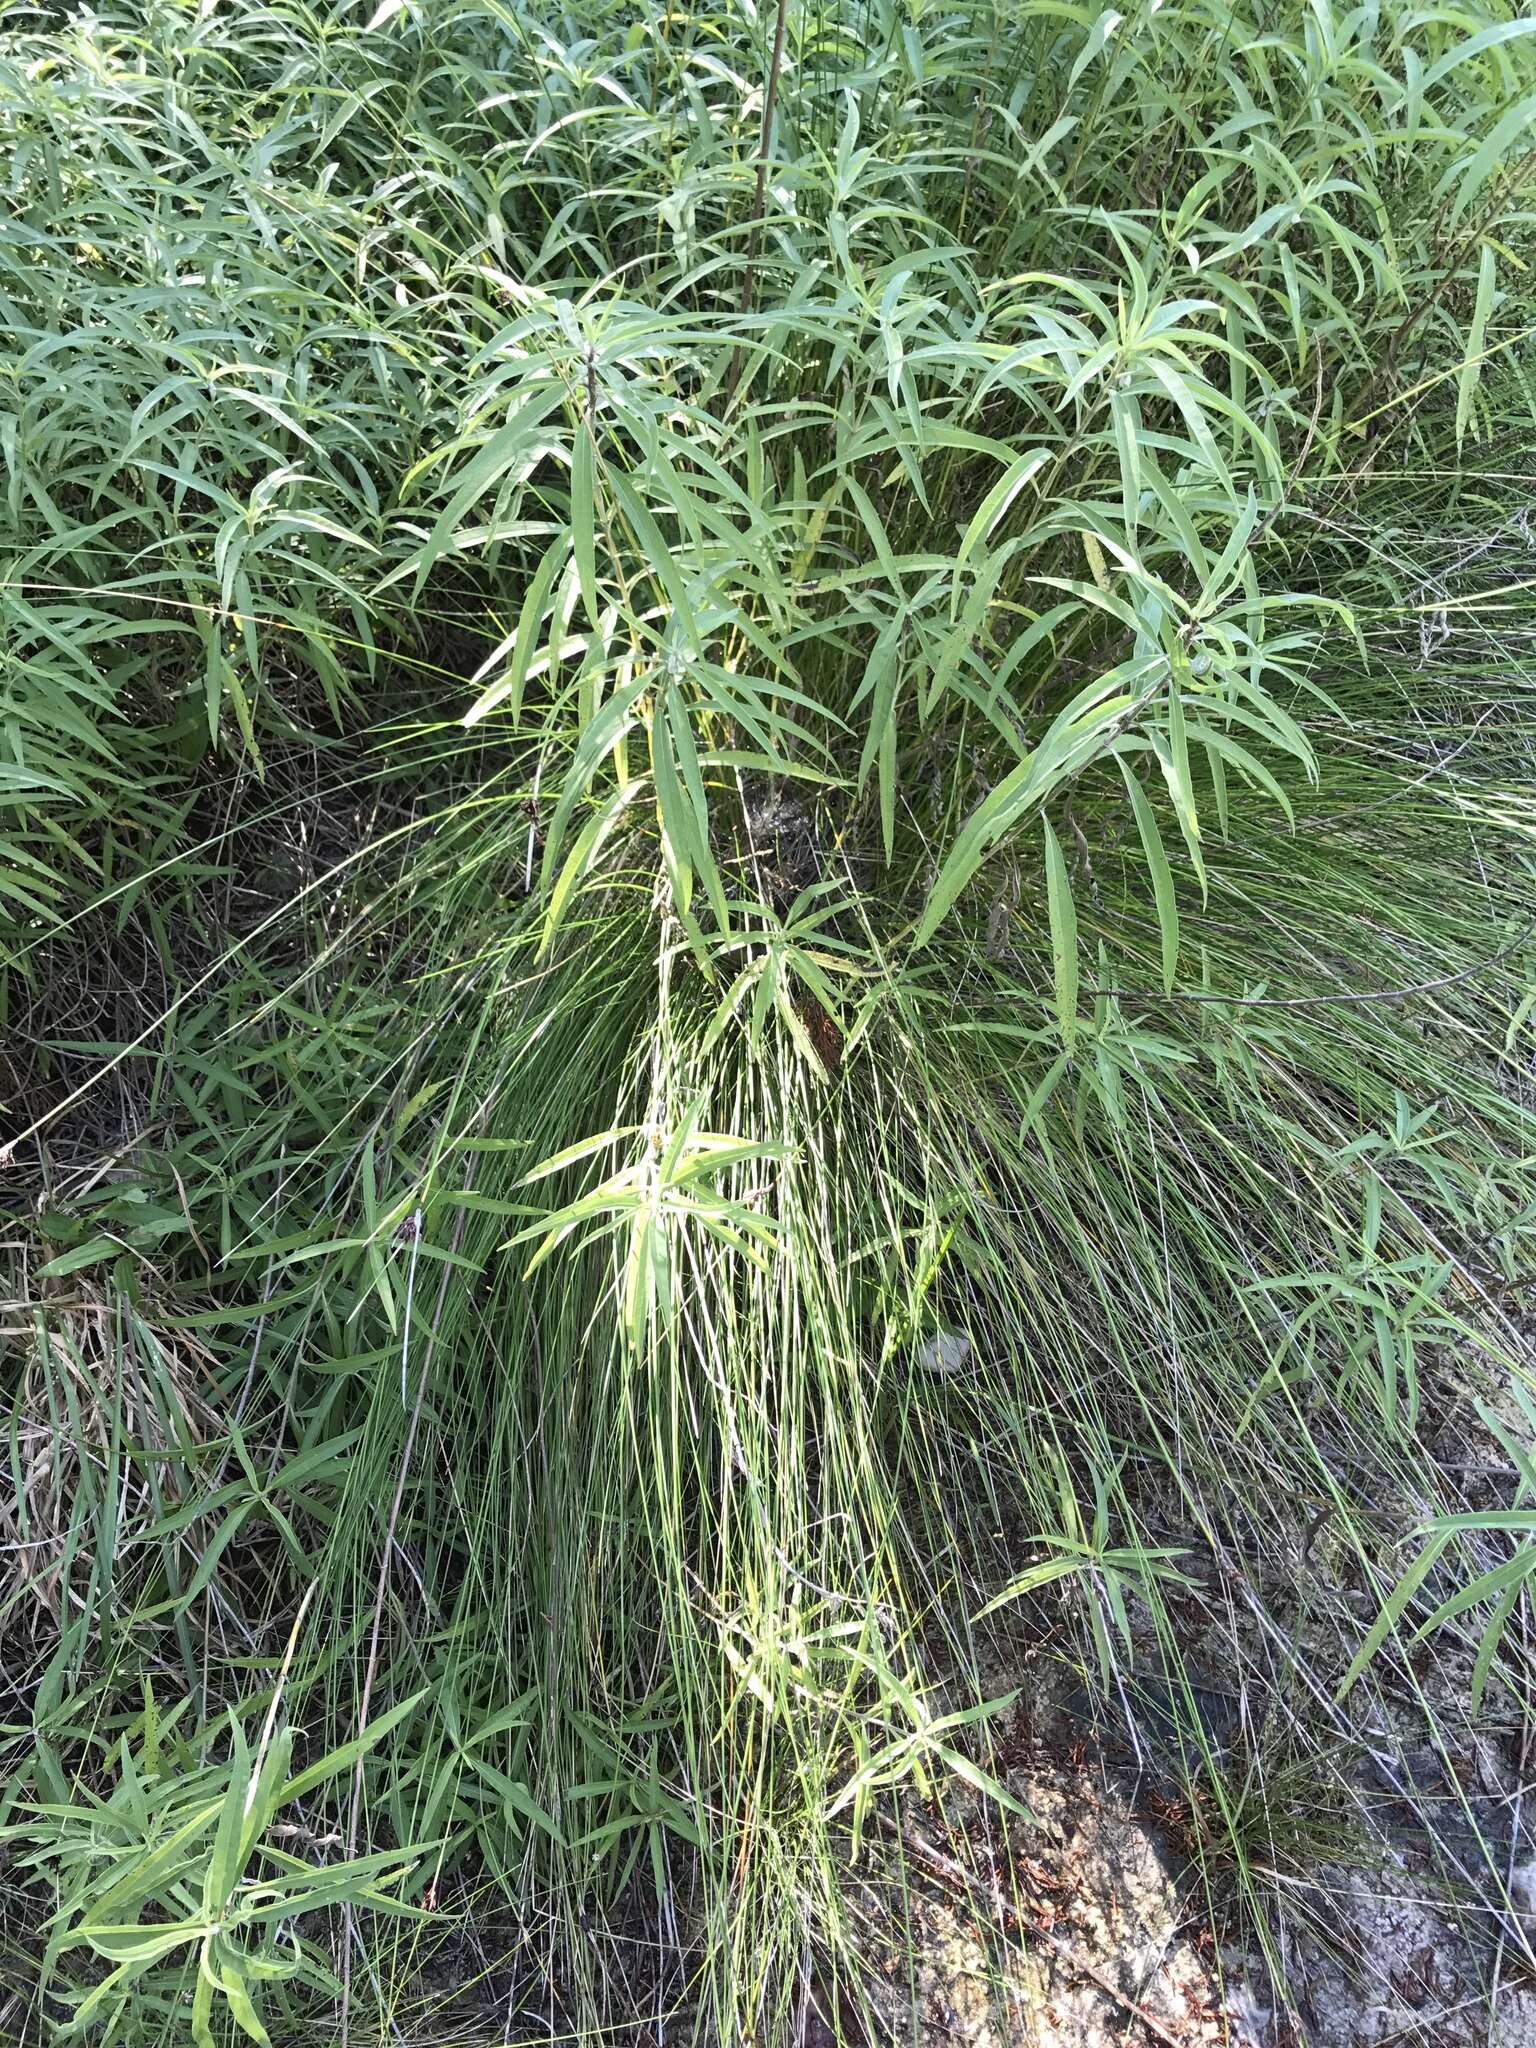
(696, 702)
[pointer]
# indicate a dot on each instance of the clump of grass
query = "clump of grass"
(815, 745)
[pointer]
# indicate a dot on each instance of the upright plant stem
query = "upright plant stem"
(760, 191)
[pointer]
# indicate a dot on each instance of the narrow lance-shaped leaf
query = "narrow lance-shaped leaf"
(1063, 916)
(1173, 753)
(1466, 383)
(994, 506)
(1159, 870)
(508, 688)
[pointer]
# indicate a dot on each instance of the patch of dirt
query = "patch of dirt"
(1075, 1930)
(1094, 1926)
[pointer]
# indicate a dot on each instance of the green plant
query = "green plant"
(1497, 1589)
(883, 704)
(176, 1879)
(1080, 1548)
